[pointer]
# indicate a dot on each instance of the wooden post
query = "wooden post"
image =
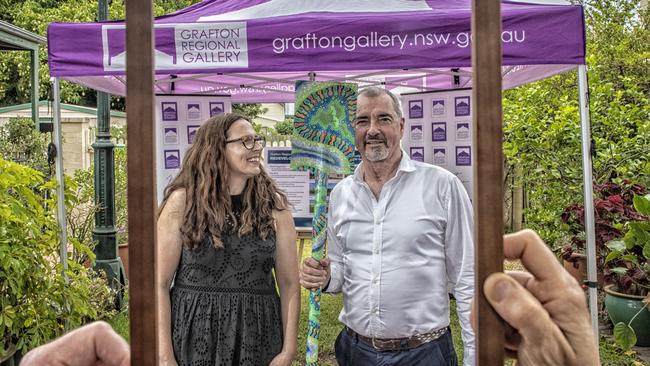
(142, 181)
(488, 171)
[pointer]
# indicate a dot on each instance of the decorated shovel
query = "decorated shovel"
(322, 143)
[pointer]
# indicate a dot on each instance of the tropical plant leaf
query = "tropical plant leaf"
(611, 256)
(641, 231)
(646, 251)
(629, 239)
(630, 258)
(624, 335)
(642, 204)
(616, 245)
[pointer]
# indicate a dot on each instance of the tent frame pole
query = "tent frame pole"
(60, 188)
(590, 227)
(58, 166)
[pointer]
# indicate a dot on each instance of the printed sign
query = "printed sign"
(463, 156)
(440, 156)
(416, 133)
(462, 131)
(295, 184)
(439, 131)
(461, 105)
(191, 133)
(170, 136)
(172, 159)
(417, 154)
(438, 109)
(169, 111)
(415, 109)
(194, 111)
(216, 108)
(278, 156)
(173, 138)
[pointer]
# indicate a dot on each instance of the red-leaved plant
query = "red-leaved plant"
(613, 208)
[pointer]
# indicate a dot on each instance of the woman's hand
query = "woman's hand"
(167, 360)
(282, 359)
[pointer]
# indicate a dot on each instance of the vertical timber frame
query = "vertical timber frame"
(488, 172)
(142, 181)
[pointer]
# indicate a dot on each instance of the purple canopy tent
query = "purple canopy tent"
(255, 50)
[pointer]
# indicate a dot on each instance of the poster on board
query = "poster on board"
(440, 130)
(295, 184)
(178, 117)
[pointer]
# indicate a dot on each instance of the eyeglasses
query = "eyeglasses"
(363, 123)
(249, 141)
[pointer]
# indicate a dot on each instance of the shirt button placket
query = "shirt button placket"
(372, 290)
(375, 272)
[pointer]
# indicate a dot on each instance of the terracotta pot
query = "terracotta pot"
(577, 267)
(123, 252)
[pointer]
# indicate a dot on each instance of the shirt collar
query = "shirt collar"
(406, 165)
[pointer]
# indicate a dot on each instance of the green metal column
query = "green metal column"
(105, 231)
(35, 96)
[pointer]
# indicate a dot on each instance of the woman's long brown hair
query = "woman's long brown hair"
(204, 176)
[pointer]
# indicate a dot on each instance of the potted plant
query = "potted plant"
(613, 207)
(627, 269)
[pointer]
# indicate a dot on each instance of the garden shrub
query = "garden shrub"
(37, 301)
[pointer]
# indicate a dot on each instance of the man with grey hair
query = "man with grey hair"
(399, 236)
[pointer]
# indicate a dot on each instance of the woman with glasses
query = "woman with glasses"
(223, 226)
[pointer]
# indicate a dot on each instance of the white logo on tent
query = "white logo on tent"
(183, 46)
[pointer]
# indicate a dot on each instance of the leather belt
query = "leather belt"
(398, 344)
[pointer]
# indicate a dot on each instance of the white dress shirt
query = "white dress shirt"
(396, 258)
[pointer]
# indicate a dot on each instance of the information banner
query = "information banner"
(178, 117)
(438, 131)
(295, 184)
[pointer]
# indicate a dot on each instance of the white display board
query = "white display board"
(178, 117)
(294, 184)
(438, 131)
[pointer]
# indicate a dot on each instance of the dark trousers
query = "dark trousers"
(354, 352)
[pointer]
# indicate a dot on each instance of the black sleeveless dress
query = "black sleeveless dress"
(225, 309)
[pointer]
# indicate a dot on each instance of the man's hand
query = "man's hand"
(315, 274)
(93, 344)
(545, 306)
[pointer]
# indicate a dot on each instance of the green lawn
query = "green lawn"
(330, 328)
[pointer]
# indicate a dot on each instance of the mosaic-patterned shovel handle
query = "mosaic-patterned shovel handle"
(319, 234)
